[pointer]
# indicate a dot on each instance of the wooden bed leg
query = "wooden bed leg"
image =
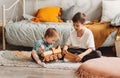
(3, 25)
(3, 39)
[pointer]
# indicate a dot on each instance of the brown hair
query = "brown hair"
(79, 17)
(51, 32)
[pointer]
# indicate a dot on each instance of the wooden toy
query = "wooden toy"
(52, 55)
(71, 57)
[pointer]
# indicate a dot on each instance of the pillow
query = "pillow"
(110, 9)
(116, 21)
(92, 11)
(48, 14)
(28, 17)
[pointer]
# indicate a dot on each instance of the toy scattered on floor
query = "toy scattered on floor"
(52, 55)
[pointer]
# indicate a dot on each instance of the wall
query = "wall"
(12, 13)
(31, 6)
(92, 8)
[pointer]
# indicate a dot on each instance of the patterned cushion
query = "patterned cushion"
(116, 21)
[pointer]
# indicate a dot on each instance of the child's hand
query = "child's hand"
(64, 51)
(65, 48)
(79, 57)
(42, 48)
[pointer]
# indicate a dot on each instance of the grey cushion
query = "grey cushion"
(92, 11)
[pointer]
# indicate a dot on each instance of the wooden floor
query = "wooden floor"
(26, 72)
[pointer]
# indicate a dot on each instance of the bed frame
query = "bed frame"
(23, 4)
(4, 9)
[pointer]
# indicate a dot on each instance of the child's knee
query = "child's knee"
(99, 54)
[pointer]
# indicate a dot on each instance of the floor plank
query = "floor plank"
(26, 72)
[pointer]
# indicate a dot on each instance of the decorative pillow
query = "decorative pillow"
(110, 9)
(116, 21)
(92, 11)
(48, 14)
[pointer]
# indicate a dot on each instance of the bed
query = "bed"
(26, 33)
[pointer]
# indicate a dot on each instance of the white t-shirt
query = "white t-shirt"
(85, 41)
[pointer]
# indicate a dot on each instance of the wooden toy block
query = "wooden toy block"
(51, 57)
(47, 59)
(56, 50)
(46, 53)
(59, 55)
(55, 57)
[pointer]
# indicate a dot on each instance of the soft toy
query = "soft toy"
(52, 55)
(48, 14)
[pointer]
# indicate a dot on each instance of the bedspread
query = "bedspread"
(101, 32)
(26, 33)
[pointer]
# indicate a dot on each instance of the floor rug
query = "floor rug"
(23, 59)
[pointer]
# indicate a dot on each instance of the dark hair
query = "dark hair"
(79, 17)
(51, 32)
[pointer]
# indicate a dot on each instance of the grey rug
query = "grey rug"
(23, 59)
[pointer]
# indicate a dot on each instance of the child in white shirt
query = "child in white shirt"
(81, 40)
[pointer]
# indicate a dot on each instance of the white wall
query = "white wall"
(31, 5)
(7, 4)
(87, 6)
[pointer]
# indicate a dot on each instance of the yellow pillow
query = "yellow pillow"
(48, 14)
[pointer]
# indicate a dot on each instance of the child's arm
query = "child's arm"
(41, 48)
(65, 49)
(35, 56)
